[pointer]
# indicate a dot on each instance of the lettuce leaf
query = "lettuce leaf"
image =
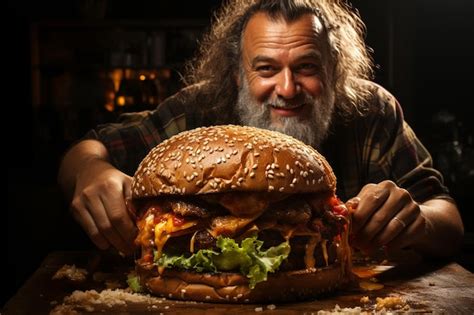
(248, 258)
(134, 283)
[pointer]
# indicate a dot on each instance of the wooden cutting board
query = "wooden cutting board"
(425, 287)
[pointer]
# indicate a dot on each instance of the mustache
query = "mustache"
(282, 103)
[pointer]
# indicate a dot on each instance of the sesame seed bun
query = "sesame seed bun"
(231, 158)
(228, 287)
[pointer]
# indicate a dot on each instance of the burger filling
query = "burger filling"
(249, 233)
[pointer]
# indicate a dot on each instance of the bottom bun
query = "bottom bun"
(234, 288)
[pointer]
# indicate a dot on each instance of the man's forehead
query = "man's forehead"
(261, 24)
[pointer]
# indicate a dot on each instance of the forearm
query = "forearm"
(443, 230)
(84, 154)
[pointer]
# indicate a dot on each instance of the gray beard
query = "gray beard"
(312, 130)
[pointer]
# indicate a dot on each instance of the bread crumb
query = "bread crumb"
(346, 310)
(271, 306)
(91, 301)
(70, 272)
(258, 309)
(365, 300)
(390, 303)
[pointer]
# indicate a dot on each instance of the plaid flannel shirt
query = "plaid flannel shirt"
(366, 149)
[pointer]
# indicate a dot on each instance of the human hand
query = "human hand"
(98, 205)
(385, 215)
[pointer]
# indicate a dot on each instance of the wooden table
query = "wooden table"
(438, 288)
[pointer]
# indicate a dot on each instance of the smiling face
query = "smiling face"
(284, 77)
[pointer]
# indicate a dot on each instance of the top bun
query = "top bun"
(231, 158)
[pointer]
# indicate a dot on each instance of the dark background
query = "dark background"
(423, 52)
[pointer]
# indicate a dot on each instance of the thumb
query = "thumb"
(352, 204)
(127, 196)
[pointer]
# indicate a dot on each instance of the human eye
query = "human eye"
(265, 70)
(307, 68)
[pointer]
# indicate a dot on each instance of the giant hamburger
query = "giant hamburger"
(238, 214)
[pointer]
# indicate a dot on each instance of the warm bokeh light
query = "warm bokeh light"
(120, 100)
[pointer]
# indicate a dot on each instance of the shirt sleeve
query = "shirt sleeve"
(134, 134)
(394, 152)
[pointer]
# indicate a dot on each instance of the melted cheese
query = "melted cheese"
(343, 248)
(325, 251)
(161, 237)
(146, 231)
(191, 242)
(163, 231)
(309, 260)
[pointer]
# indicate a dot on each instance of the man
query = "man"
(299, 67)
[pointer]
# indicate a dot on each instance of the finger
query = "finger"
(352, 204)
(117, 214)
(371, 198)
(409, 221)
(381, 220)
(83, 217)
(393, 229)
(99, 215)
(409, 234)
(398, 223)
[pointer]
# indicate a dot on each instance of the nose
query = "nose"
(286, 85)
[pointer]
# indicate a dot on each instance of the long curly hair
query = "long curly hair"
(218, 59)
